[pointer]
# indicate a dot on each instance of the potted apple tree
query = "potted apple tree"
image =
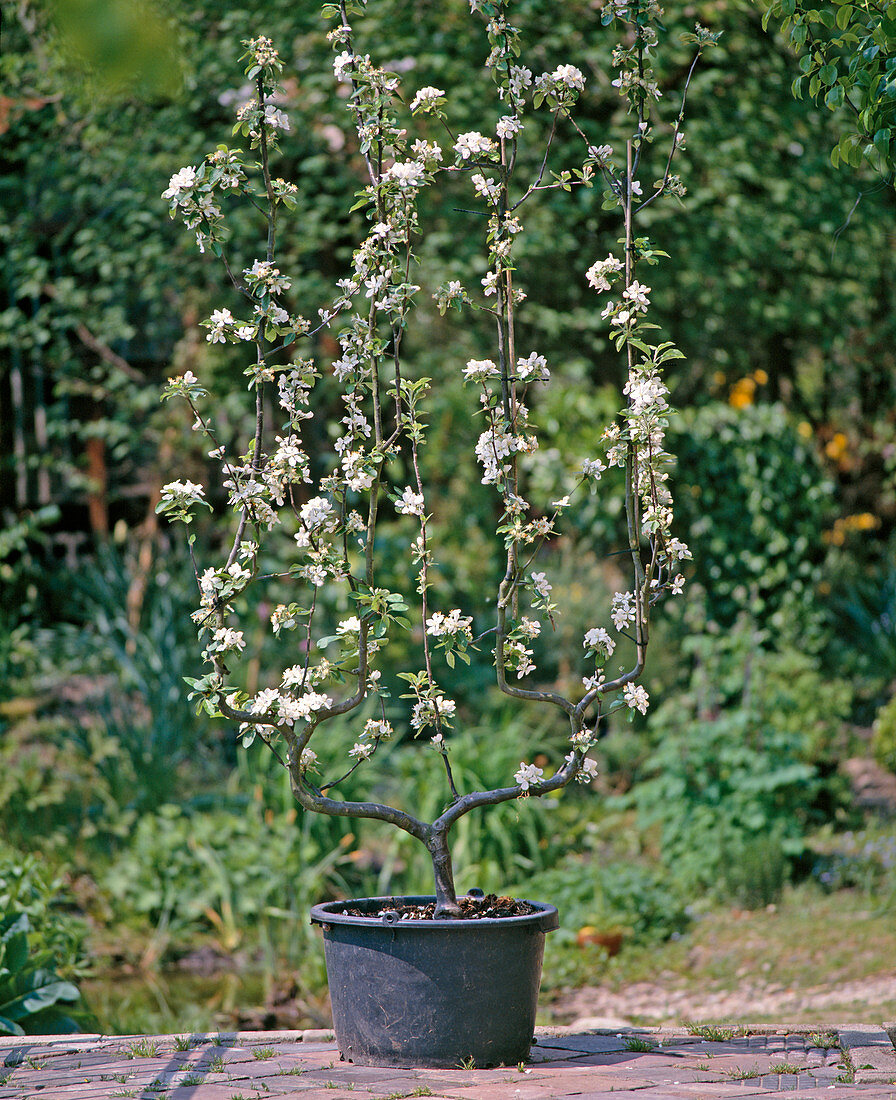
(406, 974)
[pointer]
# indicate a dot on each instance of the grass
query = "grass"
(786, 1067)
(263, 1053)
(143, 1048)
(711, 1032)
(642, 1046)
(809, 939)
(739, 1074)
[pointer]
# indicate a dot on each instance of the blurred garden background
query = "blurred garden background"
(165, 870)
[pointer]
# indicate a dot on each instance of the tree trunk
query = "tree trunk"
(443, 875)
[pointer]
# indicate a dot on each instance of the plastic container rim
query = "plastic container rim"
(546, 919)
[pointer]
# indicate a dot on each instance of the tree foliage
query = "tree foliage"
(848, 60)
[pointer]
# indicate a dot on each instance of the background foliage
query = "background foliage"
(781, 295)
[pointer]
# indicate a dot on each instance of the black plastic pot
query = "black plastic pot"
(432, 993)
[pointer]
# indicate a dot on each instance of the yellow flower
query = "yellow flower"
(741, 394)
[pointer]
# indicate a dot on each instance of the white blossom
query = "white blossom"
(570, 76)
(275, 118)
(487, 187)
(184, 180)
(528, 775)
(341, 64)
(490, 283)
(307, 760)
(598, 638)
(624, 609)
(224, 639)
(636, 697)
(316, 512)
(378, 728)
(637, 293)
(266, 700)
(508, 126)
(477, 370)
(283, 619)
(407, 174)
(534, 367)
(597, 274)
(411, 503)
(454, 623)
(473, 144)
(541, 585)
(426, 98)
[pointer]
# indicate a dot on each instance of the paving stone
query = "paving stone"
(587, 1043)
(564, 1065)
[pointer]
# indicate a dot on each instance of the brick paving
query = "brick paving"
(642, 1063)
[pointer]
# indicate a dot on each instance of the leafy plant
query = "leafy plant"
(754, 501)
(55, 928)
(135, 625)
(733, 784)
(847, 60)
(31, 992)
(243, 874)
(863, 639)
(883, 741)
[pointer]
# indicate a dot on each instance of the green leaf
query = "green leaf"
(15, 953)
(843, 16)
(46, 992)
(834, 98)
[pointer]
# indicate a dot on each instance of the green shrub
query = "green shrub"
(38, 940)
(862, 641)
(737, 778)
(883, 740)
(754, 502)
(55, 925)
(641, 903)
(244, 874)
(30, 990)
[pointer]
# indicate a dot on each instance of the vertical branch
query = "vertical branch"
(632, 471)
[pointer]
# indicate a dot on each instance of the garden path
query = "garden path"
(643, 1063)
